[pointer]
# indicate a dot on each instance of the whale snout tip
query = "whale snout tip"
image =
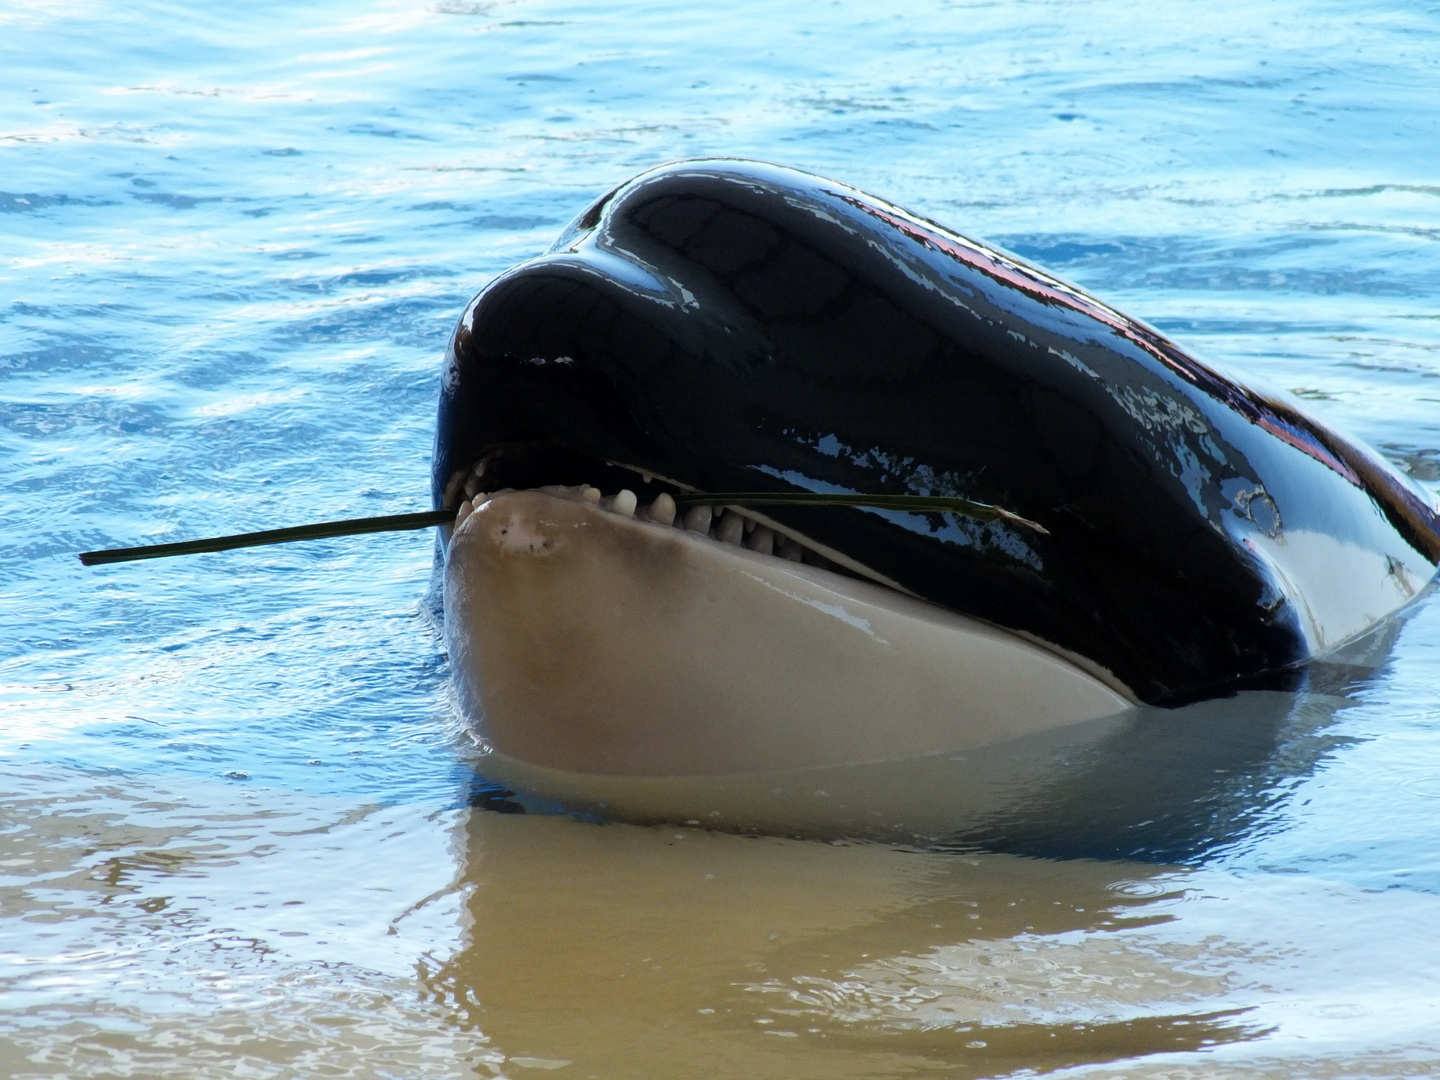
(536, 524)
(515, 533)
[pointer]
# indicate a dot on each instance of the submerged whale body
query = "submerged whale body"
(715, 326)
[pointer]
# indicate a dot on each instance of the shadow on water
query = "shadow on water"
(1169, 786)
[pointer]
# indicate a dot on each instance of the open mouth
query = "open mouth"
(633, 494)
(600, 628)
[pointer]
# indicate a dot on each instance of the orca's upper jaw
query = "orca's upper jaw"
(732, 326)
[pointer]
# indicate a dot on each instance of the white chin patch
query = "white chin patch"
(585, 640)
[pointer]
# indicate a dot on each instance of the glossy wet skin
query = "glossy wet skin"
(735, 326)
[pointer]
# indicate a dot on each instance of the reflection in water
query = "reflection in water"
(675, 952)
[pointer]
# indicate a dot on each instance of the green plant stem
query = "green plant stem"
(317, 531)
(930, 504)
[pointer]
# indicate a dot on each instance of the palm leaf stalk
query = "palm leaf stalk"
(321, 530)
(318, 530)
(918, 504)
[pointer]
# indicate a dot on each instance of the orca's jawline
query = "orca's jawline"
(734, 326)
(591, 639)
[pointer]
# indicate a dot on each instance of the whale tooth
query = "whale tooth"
(662, 509)
(790, 550)
(697, 519)
(590, 494)
(750, 524)
(624, 503)
(761, 540)
(731, 528)
(472, 486)
(464, 512)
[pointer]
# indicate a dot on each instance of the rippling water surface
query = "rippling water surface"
(240, 833)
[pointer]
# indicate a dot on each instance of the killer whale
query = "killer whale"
(726, 325)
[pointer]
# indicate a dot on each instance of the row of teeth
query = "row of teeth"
(724, 524)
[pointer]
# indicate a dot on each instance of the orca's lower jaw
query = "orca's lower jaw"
(603, 633)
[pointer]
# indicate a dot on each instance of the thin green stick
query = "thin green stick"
(317, 531)
(320, 530)
(931, 504)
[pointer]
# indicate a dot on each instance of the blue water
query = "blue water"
(233, 242)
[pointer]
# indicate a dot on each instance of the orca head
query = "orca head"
(726, 325)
